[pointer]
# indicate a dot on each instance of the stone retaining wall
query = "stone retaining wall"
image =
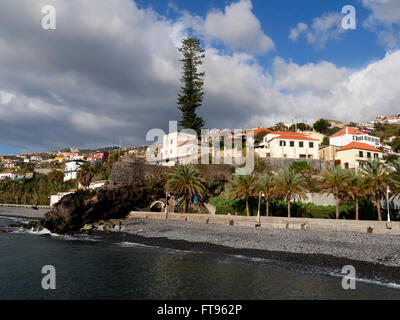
(275, 164)
(23, 206)
(126, 173)
(378, 227)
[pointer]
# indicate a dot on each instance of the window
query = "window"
(310, 156)
(303, 156)
(172, 141)
(361, 165)
(346, 165)
(268, 155)
(292, 143)
(311, 145)
(361, 154)
(282, 143)
(368, 155)
(376, 156)
(301, 144)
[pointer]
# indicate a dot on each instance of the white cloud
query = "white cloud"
(323, 29)
(238, 28)
(113, 72)
(319, 79)
(297, 31)
(384, 20)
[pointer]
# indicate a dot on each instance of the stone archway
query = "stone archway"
(157, 206)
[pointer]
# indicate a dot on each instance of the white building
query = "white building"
(57, 197)
(13, 175)
(370, 125)
(291, 145)
(350, 134)
(36, 158)
(72, 168)
(180, 148)
(356, 154)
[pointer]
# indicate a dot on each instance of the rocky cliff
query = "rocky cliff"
(75, 210)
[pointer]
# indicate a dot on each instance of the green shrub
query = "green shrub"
(300, 166)
(278, 208)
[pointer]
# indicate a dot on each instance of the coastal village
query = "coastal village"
(325, 169)
(349, 146)
(258, 154)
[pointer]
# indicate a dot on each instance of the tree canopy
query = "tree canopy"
(191, 94)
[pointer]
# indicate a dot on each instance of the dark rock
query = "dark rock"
(31, 224)
(83, 207)
(3, 231)
(46, 235)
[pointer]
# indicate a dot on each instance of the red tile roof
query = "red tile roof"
(12, 172)
(359, 145)
(351, 130)
(261, 129)
(256, 130)
(292, 135)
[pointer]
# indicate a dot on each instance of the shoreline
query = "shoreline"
(302, 262)
(22, 212)
(303, 250)
(376, 257)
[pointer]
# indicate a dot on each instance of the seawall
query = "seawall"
(361, 226)
(28, 206)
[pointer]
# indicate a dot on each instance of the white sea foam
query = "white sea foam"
(133, 244)
(18, 219)
(255, 259)
(41, 232)
(374, 282)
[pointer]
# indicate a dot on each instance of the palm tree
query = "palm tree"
(334, 181)
(265, 185)
(185, 181)
(394, 179)
(86, 174)
(355, 187)
(242, 187)
(291, 185)
(377, 178)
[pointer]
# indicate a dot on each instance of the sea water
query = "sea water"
(92, 268)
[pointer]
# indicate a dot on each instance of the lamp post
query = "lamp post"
(166, 204)
(261, 194)
(387, 204)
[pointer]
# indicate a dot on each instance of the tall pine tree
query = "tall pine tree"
(191, 93)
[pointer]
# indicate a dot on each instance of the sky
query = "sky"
(110, 70)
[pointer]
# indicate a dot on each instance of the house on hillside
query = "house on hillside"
(328, 153)
(98, 157)
(350, 134)
(35, 157)
(72, 168)
(180, 148)
(356, 154)
(13, 175)
(291, 145)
